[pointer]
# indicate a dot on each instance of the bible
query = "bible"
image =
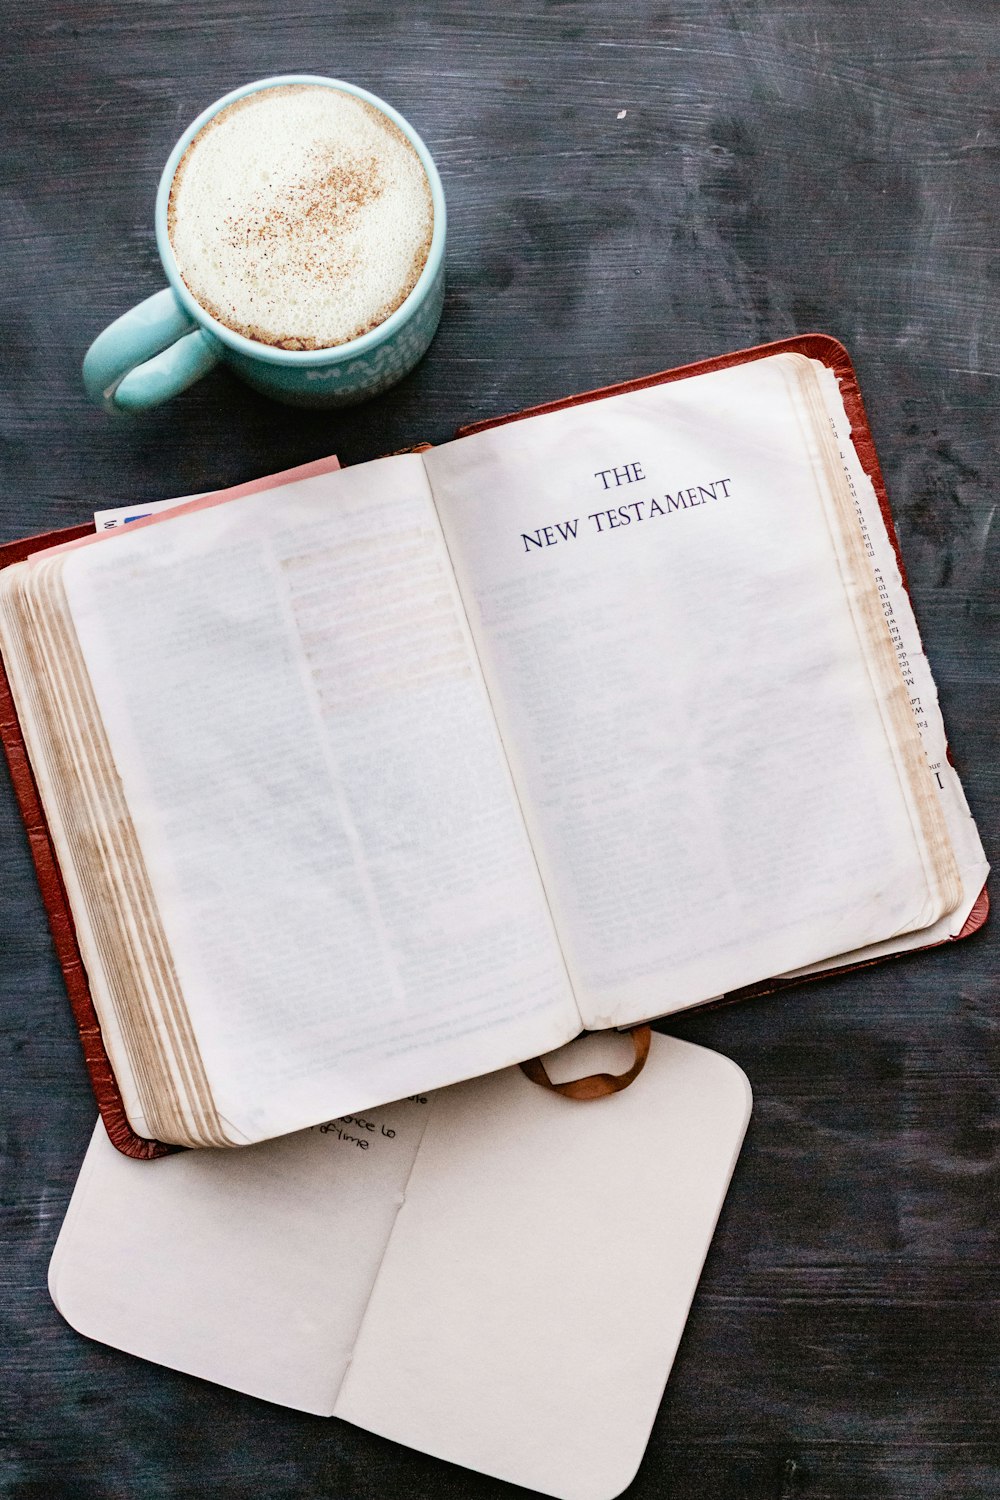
(402, 774)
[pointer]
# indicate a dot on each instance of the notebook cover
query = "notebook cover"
(106, 1090)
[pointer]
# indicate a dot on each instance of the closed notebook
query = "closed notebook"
(513, 1270)
(405, 773)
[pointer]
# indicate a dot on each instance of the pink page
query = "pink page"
(214, 497)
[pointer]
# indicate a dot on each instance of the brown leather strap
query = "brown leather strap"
(597, 1085)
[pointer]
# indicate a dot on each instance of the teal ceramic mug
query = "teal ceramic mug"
(166, 343)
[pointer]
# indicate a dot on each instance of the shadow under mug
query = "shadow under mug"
(169, 341)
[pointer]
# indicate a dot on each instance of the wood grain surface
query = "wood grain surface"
(631, 185)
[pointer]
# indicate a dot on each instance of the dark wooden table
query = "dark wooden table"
(631, 186)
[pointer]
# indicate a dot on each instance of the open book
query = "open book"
(409, 772)
(492, 1274)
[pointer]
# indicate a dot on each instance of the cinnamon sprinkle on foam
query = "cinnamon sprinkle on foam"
(300, 216)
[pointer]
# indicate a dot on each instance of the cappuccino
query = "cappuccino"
(300, 216)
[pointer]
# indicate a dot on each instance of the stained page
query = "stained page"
(677, 674)
(320, 796)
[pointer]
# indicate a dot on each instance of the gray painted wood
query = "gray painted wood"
(778, 168)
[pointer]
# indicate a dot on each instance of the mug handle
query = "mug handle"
(152, 352)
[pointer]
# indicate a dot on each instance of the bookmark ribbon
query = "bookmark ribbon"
(596, 1085)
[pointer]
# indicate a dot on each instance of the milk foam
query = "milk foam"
(300, 216)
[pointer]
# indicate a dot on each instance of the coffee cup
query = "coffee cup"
(174, 337)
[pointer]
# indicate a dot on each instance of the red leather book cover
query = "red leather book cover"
(817, 346)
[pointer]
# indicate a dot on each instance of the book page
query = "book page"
(677, 675)
(249, 1268)
(140, 1013)
(320, 795)
(539, 1275)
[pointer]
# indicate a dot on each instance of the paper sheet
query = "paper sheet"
(518, 1313)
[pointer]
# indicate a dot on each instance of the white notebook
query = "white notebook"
(494, 1274)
